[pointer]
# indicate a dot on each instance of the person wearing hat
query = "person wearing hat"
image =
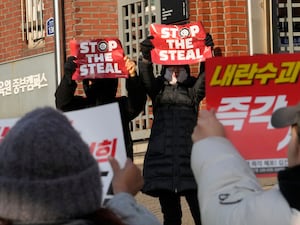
(176, 96)
(48, 176)
(103, 91)
(229, 192)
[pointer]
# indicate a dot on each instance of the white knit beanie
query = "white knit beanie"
(46, 170)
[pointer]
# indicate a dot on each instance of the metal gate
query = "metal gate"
(134, 18)
(287, 14)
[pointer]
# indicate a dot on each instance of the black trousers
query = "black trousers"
(171, 207)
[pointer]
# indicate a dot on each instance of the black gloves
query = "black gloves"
(208, 40)
(146, 47)
(69, 68)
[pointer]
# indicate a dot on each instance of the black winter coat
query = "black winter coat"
(130, 106)
(175, 107)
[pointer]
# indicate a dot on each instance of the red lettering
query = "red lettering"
(4, 132)
(103, 149)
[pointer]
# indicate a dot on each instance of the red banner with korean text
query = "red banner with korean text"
(179, 44)
(99, 58)
(245, 91)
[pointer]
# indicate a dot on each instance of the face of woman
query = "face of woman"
(102, 90)
(176, 74)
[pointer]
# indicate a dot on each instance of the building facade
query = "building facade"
(35, 35)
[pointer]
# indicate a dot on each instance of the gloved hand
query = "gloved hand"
(209, 41)
(146, 47)
(202, 67)
(69, 68)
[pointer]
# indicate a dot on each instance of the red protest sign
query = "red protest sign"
(179, 44)
(99, 58)
(245, 91)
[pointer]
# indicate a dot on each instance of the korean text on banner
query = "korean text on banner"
(99, 58)
(245, 91)
(179, 44)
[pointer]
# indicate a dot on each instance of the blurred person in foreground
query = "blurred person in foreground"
(229, 192)
(48, 176)
(103, 91)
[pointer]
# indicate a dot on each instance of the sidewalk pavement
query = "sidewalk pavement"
(152, 203)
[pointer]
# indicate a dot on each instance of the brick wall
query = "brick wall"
(227, 21)
(83, 20)
(90, 19)
(12, 47)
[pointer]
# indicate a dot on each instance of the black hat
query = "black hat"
(286, 116)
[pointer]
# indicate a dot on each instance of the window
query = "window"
(33, 30)
(287, 17)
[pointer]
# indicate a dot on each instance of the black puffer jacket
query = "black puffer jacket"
(130, 105)
(175, 108)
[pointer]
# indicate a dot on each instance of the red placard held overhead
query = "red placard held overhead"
(179, 44)
(99, 58)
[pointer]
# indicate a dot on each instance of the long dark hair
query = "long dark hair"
(102, 216)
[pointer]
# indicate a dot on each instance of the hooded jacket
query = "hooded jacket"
(130, 106)
(229, 192)
(175, 110)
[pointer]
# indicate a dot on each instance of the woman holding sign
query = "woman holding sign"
(175, 95)
(103, 91)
